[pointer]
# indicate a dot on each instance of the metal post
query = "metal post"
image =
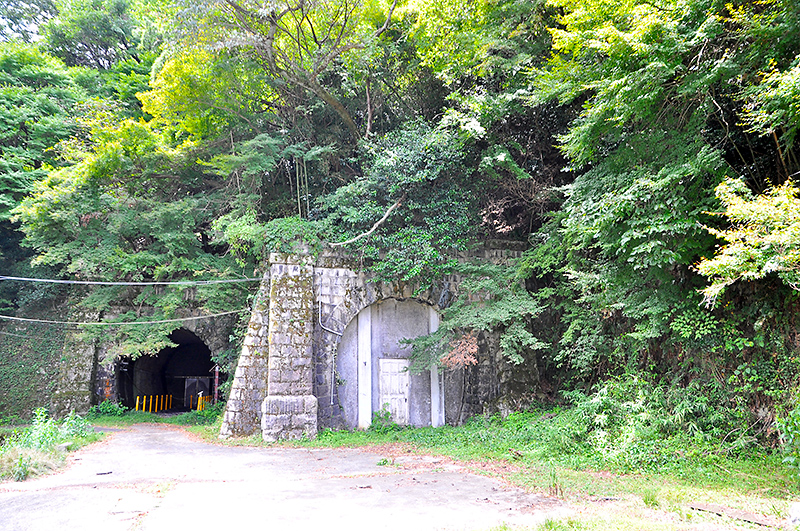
(216, 383)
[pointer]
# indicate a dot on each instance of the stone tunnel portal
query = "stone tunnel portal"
(181, 371)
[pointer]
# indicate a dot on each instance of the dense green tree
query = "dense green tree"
(412, 208)
(37, 97)
(298, 43)
(136, 209)
(20, 19)
(92, 33)
(673, 99)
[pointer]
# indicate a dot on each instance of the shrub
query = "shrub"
(33, 450)
(382, 421)
(789, 428)
(107, 408)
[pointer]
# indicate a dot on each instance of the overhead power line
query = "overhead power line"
(19, 335)
(103, 283)
(121, 323)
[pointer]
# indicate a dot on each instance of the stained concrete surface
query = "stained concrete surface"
(150, 477)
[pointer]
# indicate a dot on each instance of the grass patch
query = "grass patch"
(41, 447)
(112, 416)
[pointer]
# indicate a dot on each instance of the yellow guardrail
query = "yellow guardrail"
(153, 403)
(203, 402)
(156, 403)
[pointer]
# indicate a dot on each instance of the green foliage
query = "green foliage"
(420, 169)
(203, 93)
(20, 19)
(661, 90)
(492, 298)
(46, 433)
(382, 422)
(789, 427)
(286, 235)
(93, 33)
(764, 238)
(33, 449)
(22, 469)
(37, 96)
(458, 41)
(107, 408)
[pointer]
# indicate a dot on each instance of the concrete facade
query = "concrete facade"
(370, 354)
(334, 352)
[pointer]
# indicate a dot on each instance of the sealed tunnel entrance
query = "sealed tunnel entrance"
(181, 371)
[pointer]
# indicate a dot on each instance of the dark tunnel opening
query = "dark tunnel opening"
(182, 372)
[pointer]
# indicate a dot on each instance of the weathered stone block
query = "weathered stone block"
(278, 388)
(289, 417)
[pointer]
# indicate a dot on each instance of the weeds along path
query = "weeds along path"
(150, 477)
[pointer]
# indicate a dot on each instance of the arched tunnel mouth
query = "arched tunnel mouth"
(181, 372)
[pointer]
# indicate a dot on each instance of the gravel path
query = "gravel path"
(151, 477)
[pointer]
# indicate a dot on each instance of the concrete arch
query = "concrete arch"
(372, 366)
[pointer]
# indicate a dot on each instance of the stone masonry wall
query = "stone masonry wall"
(249, 388)
(75, 386)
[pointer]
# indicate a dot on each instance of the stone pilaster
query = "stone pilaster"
(290, 409)
(249, 388)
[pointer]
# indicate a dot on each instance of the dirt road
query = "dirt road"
(151, 477)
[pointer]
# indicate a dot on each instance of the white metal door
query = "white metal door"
(394, 385)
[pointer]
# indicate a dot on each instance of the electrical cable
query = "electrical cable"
(20, 335)
(122, 323)
(110, 283)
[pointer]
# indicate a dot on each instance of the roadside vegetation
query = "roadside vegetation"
(42, 446)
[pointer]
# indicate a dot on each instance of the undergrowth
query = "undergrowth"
(111, 414)
(624, 426)
(40, 447)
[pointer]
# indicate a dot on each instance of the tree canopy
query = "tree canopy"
(643, 151)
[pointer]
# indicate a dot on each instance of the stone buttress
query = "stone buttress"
(289, 410)
(242, 412)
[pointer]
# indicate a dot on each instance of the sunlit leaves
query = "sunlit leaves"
(774, 104)
(204, 94)
(764, 238)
